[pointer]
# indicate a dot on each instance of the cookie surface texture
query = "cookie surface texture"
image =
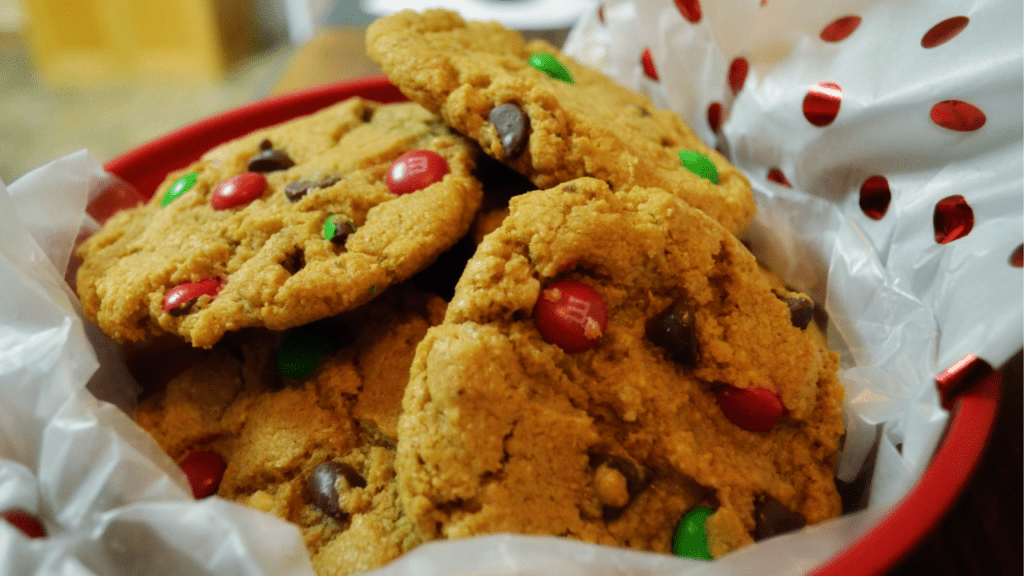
(268, 257)
(593, 126)
(317, 451)
(503, 430)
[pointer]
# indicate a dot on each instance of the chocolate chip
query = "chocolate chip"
(513, 126)
(322, 487)
(771, 518)
(801, 311)
(340, 231)
(674, 329)
(265, 144)
(269, 161)
(643, 111)
(296, 189)
(294, 262)
(637, 478)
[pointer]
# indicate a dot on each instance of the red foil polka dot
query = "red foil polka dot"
(738, 74)
(776, 175)
(648, 63)
(690, 9)
(953, 219)
(875, 197)
(1017, 258)
(944, 31)
(821, 105)
(958, 115)
(840, 29)
(715, 116)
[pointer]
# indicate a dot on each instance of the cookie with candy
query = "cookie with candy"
(611, 362)
(549, 117)
(284, 226)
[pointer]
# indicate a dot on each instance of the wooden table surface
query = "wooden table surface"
(981, 534)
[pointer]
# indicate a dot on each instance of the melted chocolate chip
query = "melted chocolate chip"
(296, 189)
(674, 329)
(269, 161)
(513, 126)
(801, 311)
(771, 518)
(322, 487)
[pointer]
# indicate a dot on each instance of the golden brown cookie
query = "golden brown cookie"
(610, 362)
(284, 226)
(316, 450)
(478, 77)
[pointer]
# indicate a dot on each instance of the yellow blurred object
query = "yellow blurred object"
(89, 41)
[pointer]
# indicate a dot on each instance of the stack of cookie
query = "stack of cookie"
(515, 304)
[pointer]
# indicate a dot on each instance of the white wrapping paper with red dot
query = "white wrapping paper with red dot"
(883, 141)
(110, 501)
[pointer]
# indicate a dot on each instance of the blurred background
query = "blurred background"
(107, 75)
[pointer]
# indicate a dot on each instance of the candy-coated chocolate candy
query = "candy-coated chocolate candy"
(571, 315)
(550, 65)
(301, 349)
(337, 229)
(28, 524)
(415, 170)
(674, 329)
(177, 300)
(180, 186)
(513, 126)
(238, 190)
(755, 409)
(204, 471)
(699, 164)
(690, 539)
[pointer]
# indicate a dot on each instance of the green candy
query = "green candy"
(180, 186)
(550, 65)
(301, 350)
(690, 539)
(699, 164)
(331, 227)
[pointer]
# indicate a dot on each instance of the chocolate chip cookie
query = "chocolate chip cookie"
(549, 117)
(316, 448)
(285, 226)
(610, 363)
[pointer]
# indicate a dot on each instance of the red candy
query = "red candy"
(204, 471)
(571, 315)
(238, 190)
(27, 523)
(189, 291)
(415, 170)
(754, 409)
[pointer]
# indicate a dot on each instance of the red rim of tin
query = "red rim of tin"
(959, 452)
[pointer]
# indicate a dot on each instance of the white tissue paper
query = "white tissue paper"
(902, 306)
